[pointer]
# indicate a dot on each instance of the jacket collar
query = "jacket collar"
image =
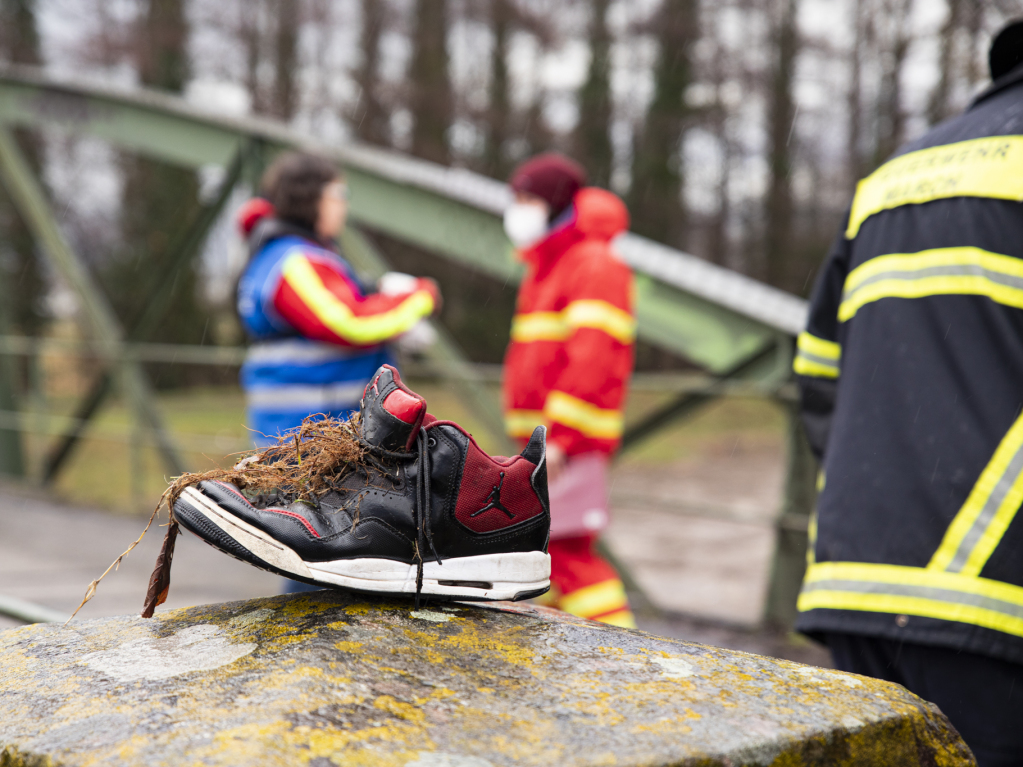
(595, 214)
(270, 229)
(562, 236)
(1010, 79)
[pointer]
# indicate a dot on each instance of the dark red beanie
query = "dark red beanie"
(552, 177)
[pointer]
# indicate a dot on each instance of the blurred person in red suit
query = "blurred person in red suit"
(568, 365)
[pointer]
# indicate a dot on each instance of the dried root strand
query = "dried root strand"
(304, 462)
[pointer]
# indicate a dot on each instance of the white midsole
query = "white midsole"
(506, 574)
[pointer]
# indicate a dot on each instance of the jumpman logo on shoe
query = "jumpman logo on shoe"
(494, 501)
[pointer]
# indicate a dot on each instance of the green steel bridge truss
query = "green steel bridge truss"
(734, 327)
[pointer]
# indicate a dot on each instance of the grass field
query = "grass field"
(111, 470)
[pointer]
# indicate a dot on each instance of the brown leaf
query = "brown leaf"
(159, 581)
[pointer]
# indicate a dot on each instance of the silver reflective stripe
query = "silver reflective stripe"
(950, 270)
(921, 592)
(298, 352)
(313, 399)
(827, 362)
(987, 513)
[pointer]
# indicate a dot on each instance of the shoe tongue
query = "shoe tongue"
(391, 413)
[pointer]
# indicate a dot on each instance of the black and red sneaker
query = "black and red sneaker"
(429, 514)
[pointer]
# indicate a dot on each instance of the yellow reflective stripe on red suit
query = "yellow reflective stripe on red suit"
(602, 598)
(538, 326)
(586, 418)
(600, 315)
(528, 327)
(338, 316)
(521, 423)
(816, 356)
(913, 591)
(989, 167)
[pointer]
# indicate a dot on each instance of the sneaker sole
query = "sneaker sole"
(510, 576)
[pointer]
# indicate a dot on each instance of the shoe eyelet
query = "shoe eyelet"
(431, 442)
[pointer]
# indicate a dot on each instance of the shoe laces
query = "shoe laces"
(424, 497)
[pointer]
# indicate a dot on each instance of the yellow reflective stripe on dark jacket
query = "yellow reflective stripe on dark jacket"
(950, 587)
(913, 591)
(939, 271)
(816, 357)
(988, 511)
(984, 167)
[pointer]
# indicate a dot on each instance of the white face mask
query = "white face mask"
(525, 223)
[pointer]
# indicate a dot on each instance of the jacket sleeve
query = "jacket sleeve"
(818, 357)
(322, 302)
(584, 405)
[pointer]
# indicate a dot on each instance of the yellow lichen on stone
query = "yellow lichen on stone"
(303, 679)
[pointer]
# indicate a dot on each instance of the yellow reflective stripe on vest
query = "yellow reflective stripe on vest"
(600, 315)
(521, 423)
(338, 316)
(539, 326)
(989, 509)
(589, 601)
(591, 420)
(984, 167)
(913, 591)
(816, 357)
(558, 326)
(940, 271)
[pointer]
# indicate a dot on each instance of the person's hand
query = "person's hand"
(557, 460)
(425, 283)
(418, 338)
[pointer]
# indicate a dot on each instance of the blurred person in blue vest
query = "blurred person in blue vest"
(318, 332)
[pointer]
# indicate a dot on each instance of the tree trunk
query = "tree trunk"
(22, 286)
(285, 95)
(19, 44)
(854, 98)
(891, 117)
(592, 134)
(495, 157)
(432, 103)
(658, 170)
(159, 200)
(372, 122)
(778, 208)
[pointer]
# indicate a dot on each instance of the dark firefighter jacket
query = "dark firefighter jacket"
(911, 375)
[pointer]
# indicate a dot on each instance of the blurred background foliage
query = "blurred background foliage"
(735, 129)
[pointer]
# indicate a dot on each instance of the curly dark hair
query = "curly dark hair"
(294, 183)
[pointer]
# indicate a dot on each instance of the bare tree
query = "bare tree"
(20, 303)
(158, 200)
(495, 158)
(778, 204)
(592, 140)
(894, 39)
(372, 117)
(285, 93)
(431, 99)
(658, 172)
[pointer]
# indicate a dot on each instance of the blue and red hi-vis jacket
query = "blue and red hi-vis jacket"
(317, 335)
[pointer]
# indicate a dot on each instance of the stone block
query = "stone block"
(329, 678)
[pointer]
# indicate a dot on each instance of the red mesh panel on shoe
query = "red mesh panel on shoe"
(488, 501)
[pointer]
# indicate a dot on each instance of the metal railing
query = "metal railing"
(684, 387)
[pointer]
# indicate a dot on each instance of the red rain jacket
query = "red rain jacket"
(573, 335)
